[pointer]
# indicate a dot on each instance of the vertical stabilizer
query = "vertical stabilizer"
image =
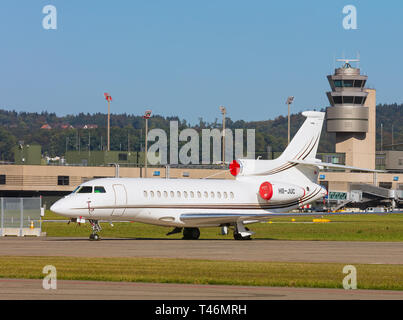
(305, 143)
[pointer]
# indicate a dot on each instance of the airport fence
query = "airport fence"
(20, 216)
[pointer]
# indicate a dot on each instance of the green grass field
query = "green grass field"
(318, 275)
(365, 227)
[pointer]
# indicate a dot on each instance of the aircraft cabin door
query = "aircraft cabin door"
(120, 199)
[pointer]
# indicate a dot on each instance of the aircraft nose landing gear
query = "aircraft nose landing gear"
(95, 229)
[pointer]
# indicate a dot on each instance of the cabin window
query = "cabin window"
(192, 194)
(219, 195)
(99, 190)
(159, 194)
(198, 194)
(152, 194)
(205, 194)
(178, 193)
(185, 194)
(172, 194)
(145, 194)
(165, 194)
(212, 194)
(85, 189)
(231, 194)
(225, 195)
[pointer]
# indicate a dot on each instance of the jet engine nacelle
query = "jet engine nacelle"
(280, 192)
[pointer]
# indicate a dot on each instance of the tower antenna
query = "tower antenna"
(347, 62)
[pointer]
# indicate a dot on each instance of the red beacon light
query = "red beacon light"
(234, 168)
(266, 190)
(108, 97)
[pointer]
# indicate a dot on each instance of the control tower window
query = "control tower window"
(358, 100)
(357, 83)
(338, 83)
(337, 100)
(348, 83)
(348, 99)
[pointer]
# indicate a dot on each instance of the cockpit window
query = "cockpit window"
(85, 189)
(75, 190)
(99, 190)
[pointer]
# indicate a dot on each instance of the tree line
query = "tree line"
(127, 131)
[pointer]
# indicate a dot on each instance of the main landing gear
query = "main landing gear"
(95, 229)
(241, 232)
(191, 233)
(188, 233)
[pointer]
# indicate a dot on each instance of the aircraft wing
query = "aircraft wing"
(331, 165)
(223, 218)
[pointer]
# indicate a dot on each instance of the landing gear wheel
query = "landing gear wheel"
(191, 233)
(94, 237)
(95, 228)
(238, 236)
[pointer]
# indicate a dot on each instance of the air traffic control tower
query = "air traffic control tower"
(352, 115)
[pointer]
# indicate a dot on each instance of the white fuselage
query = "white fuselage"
(163, 201)
(262, 188)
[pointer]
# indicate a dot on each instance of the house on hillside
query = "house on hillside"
(90, 126)
(66, 126)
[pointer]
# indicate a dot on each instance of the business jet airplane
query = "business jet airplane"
(262, 189)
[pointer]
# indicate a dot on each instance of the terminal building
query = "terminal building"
(351, 116)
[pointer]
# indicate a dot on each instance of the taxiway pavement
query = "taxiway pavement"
(348, 252)
(29, 289)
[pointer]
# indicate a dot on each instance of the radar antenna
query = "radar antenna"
(347, 62)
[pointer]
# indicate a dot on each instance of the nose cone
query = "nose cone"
(58, 207)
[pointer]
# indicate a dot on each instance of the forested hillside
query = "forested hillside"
(80, 132)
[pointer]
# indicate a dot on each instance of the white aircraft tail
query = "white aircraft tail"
(305, 143)
(303, 146)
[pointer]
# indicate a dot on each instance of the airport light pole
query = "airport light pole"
(109, 99)
(381, 136)
(146, 116)
(289, 101)
(223, 112)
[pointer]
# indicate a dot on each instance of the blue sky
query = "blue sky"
(187, 58)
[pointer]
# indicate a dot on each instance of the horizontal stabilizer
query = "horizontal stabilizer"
(331, 165)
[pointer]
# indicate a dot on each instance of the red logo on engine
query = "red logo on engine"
(266, 190)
